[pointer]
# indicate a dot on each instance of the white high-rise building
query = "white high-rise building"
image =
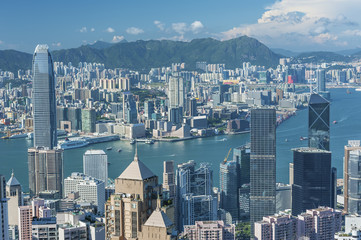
(176, 92)
(90, 189)
(95, 164)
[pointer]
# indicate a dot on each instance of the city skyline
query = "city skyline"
(290, 24)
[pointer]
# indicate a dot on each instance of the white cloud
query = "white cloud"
(57, 44)
(304, 23)
(92, 29)
(159, 25)
(196, 26)
(180, 28)
(117, 39)
(134, 31)
(83, 30)
(110, 30)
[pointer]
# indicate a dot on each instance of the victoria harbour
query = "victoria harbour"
(345, 110)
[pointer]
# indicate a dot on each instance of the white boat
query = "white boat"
(133, 141)
(19, 135)
(109, 148)
(358, 89)
(70, 144)
(30, 135)
(149, 141)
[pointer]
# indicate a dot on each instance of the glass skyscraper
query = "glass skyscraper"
(312, 179)
(318, 122)
(263, 164)
(44, 102)
(354, 183)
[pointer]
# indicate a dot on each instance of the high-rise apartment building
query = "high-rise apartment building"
(14, 194)
(25, 222)
(228, 179)
(353, 145)
(312, 184)
(45, 170)
(130, 114)
(276, 227)
(210, 230)
(4, 228)
(90, 190)
(148, 108)
(95, 164)
(44, 102)
(262, 164)
(318, 122)
(176, 91)
(135, 198)
(169, 178)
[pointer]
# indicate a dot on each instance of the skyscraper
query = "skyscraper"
(4, 228)
(354, 183)
(351, 146)
(44, 102)
(14, 194)
(228, 178)
(321, 80)
(169, 178)
(312, 183)
(95, 164)
(263, 164)
(195, 200)
(135, 198)
(25, 222)
(318, 122)
(45, 170)
(176, 91)
(88, 119)
(130, 113)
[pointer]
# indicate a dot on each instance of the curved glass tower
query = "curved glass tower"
(44, 105)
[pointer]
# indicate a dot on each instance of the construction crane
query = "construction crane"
(226, 158)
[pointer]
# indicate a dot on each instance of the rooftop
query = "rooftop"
(94, 152)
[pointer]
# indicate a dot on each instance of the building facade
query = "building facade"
(262, 164)
(43, 98)
(95, 164)
(25, 222)
(312, 179)
(14, 194)
(318, 122)
(88, 119)
(354, 182)
(45, 170)
(209, 230)
(4, 227)
(228, 178)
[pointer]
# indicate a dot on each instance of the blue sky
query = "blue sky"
(298, 25)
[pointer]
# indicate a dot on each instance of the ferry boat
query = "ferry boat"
(109, 148)
(133, 141)
(303, 138)
(70, 144)
(119, 150)
(19, 135)
(149, 141)
(358, 89)
(30, 135)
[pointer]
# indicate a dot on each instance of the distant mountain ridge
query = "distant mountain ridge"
(143, 55)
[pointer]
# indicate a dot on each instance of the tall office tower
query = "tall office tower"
(169, 178)
(242, 156)
(130, 113)
(351, 146)
(45, 170)
(74, 116)
(263, 164)
(321, 80)
(312, 179)
(88, 119)
(90, 190)
(135, 198)
(228, 178)
(44, 102)
(176, 91)
(318, 122)
(14, 194)
(95, 164)
(4, 228)
(148, 108)
(195, 200)
(25, 222)
(353, 183)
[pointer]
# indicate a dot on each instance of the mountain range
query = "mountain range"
(143, 55)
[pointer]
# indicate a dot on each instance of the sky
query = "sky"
(296, 25)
